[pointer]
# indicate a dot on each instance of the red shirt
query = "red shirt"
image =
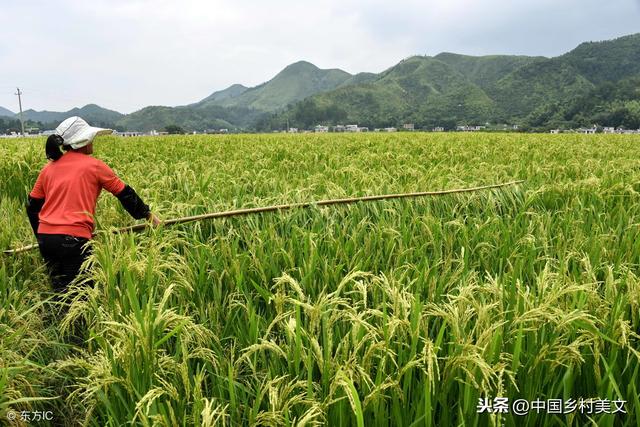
(70, 188)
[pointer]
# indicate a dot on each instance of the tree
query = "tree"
(174, 130)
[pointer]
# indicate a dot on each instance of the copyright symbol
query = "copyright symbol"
(520, 407)
(11, 416)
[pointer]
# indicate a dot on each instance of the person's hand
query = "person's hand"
(155, 221)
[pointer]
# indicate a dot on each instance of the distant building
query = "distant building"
(555, 131)
(339, 128)
(390, 129)
(609, 130)
(438, 129)
(587, 131)
(293, 130)
(627, 131)
(469, 128)
(128, 134)
(408, 126)
(351, 128)
(321, 129)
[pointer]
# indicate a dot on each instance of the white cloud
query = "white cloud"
(126, 54)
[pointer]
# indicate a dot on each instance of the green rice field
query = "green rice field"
(412, 312)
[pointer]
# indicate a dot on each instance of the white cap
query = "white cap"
(77, 133)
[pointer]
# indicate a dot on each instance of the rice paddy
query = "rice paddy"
(400, 312)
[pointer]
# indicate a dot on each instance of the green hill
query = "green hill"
(422, 90)
(486, 71)
(294, 83)
(43, 116)
(92, 113)
(240, 107)
(221, 95)
(610, 104)
(606, 61)
(359, 79)
(6, 113)
(200, 117)
(446, 90)
(534, 85)
(562, 80)
(451, 89)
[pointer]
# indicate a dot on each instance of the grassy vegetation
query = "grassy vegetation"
(402, 312)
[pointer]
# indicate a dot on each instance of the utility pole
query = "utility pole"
(19, 93)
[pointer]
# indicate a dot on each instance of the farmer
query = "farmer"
(62, 204)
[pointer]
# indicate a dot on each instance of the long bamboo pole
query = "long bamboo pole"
(328, 202)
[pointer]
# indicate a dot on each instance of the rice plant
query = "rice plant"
(403, 312)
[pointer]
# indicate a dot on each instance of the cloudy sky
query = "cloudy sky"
(127, 54)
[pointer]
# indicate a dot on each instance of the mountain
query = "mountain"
(42, 116)
(564, 79)
(486, 71)
(554, 80)
(610, 60)
(451, 89)
(296, 82)
(359, 79)
(611, 104)
(221, 95)
(417, 89)
(92, 113)
(239, 106)
(6, 113)
(189, 117)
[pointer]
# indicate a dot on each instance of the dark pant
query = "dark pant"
(63, 256)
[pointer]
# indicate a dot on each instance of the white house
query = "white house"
(321, 129)
(587, 131)
(128, 134)
(469, 128)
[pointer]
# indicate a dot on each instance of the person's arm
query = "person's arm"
(35, 201)
(34, 206)
(127, 196)
(133, 204)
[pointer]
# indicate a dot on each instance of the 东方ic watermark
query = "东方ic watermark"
(29, 416)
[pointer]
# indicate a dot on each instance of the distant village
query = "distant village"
(596, 129)
(406, 127)
(473, 128)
